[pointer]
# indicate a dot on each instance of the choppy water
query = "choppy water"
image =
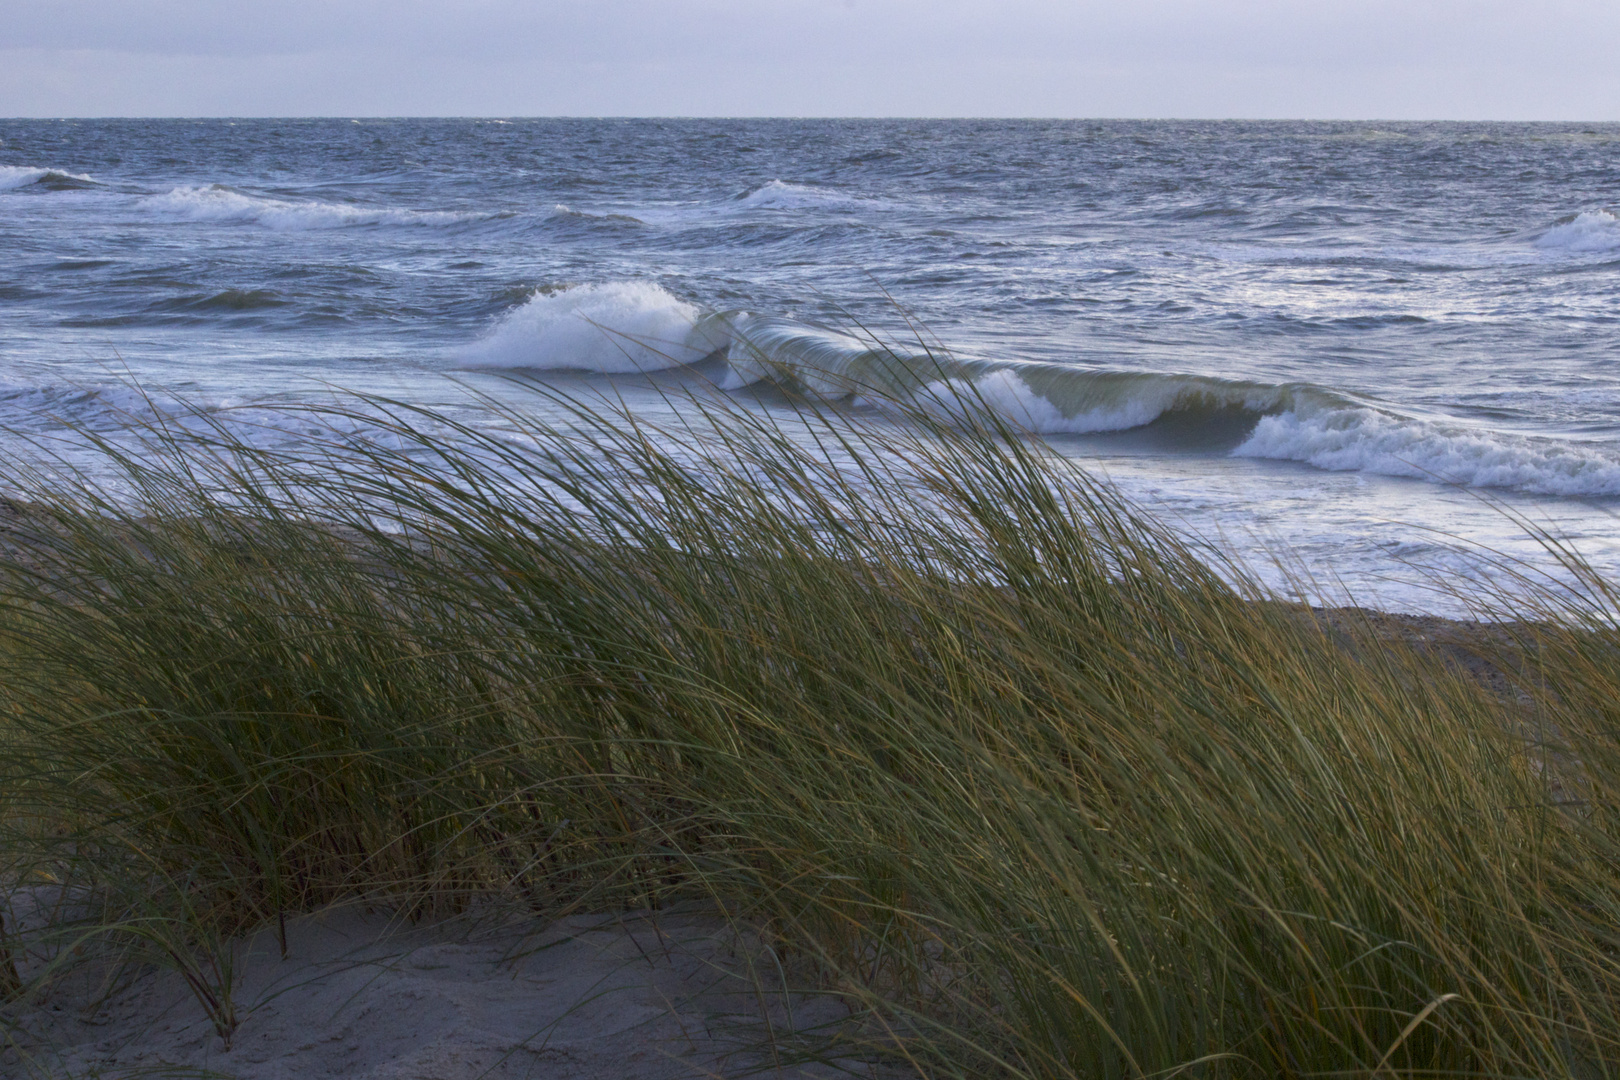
(1329, 337)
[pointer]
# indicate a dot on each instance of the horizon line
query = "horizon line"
(360, 117)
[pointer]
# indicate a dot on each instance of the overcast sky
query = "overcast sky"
(1354, 59)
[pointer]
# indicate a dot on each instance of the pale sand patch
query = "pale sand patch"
(620, 997)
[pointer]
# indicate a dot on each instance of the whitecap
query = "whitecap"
(18, 176)
(781, 195)
(220, 204)
(1374, 441)
(613, 327)
(1590, 230)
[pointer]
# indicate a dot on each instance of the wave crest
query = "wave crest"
(1590, 230)
(615, 327)
(1370, 440)
(223, 205)
(638, 326)
(20, 176)
(1300, 422)
(781, 195)
(1045, 398)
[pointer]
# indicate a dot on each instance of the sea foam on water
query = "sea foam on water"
(1590, 230)
(221, 204)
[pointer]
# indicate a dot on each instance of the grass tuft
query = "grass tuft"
(974, 745)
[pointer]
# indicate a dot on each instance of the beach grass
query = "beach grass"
(988, 754)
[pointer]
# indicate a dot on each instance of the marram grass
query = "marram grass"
(989, 754)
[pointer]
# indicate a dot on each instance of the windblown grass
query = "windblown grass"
(987, 753)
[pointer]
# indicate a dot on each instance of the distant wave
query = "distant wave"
(226, 300)
(638, 326)
(1590, 230)
(778, 202)
(781, 195)
(561, 212)
(20, 176)
(218, 203)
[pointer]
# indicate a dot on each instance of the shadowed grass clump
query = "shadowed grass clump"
(987, 753)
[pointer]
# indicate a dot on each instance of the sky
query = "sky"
(1325, 59)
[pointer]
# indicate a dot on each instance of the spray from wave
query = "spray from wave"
(613, 328)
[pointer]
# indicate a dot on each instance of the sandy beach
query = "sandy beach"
(628, 997)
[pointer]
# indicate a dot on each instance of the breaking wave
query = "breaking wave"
(562, 212)
(615, 327)
(1590, 230)
(1376, 441)
(20, 176)
(224, 205)
(1297, 421)
(638, 326)
(1044, 398)
(781, 195)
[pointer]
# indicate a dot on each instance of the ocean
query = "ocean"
(1358, 353)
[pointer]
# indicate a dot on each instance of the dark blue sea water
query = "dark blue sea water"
(1329, 338)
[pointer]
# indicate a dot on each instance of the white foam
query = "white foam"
(564, 212)
(1368, 440)
(1590, 230)
(781, 195)
(17, 176)
(615, 327)
(214, 203)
